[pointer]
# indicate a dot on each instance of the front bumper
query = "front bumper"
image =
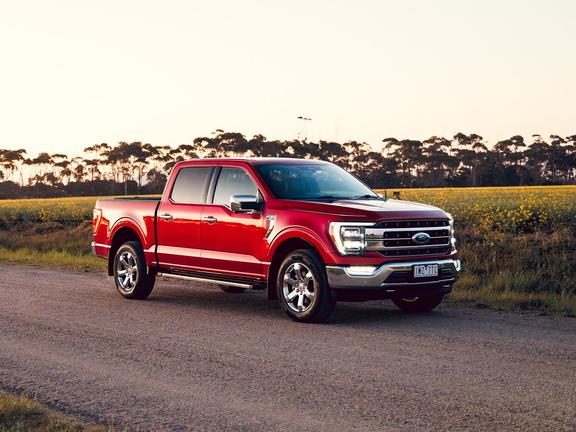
(391, 277)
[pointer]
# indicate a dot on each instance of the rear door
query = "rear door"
(179, 219)
(232, 242)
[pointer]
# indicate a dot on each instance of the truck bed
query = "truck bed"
(110, 215)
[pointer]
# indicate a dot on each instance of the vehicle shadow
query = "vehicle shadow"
(255, 304)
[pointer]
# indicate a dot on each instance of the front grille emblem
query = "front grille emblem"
(421, 238)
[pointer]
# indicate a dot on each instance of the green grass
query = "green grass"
(21, 414)
(53, 259)
(50, 244)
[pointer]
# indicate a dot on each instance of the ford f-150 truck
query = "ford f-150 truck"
(307, 231)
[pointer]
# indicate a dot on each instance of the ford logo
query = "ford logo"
(421, 238)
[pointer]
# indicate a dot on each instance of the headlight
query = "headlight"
(349, 238)
(452, 236)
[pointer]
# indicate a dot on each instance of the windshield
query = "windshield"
(313, 182)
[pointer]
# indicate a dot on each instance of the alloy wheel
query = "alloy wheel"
(127, 272)
(299, 287)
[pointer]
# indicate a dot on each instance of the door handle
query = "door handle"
(210, 219)
(166, 217)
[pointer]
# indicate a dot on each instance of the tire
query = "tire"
(302, 287)
(231, 289)
(131, 275)
(418, 304)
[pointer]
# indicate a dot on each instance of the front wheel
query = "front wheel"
(302, 287)
(131, 273)
(418, 304)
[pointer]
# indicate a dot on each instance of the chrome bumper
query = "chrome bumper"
(340, 277)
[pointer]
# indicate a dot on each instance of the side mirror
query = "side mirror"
(245, 204)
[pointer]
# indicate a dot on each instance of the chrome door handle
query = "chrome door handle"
(166, 217)
(209, 219)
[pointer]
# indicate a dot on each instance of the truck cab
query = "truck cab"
(306, 231)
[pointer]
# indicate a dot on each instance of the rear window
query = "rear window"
(190, 185)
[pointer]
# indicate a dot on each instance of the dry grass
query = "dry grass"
(21, 414)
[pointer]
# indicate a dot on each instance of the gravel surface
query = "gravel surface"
(194, 358)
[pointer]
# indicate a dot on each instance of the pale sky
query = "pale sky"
(75, 73)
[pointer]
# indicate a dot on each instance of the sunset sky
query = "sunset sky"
(75, 73)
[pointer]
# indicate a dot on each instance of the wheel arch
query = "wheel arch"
(122, 234)
(281, 249)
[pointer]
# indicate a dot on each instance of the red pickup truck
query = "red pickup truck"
(307, 231)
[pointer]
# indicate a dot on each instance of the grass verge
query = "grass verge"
(53, 259)
(20, 414)
(486, 297)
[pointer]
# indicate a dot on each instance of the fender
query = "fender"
(128, 222)
(302, 233)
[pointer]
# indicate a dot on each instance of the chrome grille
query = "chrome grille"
(395, 238)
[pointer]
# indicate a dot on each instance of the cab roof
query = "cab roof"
(258, 160)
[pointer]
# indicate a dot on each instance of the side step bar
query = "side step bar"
(207, 280)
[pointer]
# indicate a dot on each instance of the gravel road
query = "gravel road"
(194, 358)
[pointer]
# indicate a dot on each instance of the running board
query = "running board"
(206, 280)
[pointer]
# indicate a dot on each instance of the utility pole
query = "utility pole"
(303, 130)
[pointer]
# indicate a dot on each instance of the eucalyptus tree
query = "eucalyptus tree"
(77, 168)
(470, 157)
(41, 164)
(438, 164)
(98, 154)
(129, 161)
(12, 161)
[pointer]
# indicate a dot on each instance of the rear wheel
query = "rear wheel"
(131, 272)
(302, 287)
(418, 304)
(231, 289)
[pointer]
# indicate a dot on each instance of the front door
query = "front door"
(179, 219)
(232, 242)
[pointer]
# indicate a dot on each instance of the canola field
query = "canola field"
(503, 209)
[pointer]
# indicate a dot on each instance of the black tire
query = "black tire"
(312, 286)
(231, 289)
(136, 282)
(418, 304)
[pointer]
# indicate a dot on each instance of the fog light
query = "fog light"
(361, 270)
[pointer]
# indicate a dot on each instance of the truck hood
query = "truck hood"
(370, 209)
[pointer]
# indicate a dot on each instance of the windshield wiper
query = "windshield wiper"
(321, 197)
(367, 196)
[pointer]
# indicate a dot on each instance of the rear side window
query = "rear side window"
(233, 181)
(190, 185)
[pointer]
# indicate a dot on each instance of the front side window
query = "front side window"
(190, 185)
(313, 182)
(233, 181)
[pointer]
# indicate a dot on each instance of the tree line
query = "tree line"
(139, 168)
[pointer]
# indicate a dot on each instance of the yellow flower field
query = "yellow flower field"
(505, 209)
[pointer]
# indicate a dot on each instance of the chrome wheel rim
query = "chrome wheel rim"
(127, 272)
(298, 287)
(411, 299)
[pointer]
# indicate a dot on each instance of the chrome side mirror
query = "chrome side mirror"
(245, 204)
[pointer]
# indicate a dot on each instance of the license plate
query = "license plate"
(425, 270)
